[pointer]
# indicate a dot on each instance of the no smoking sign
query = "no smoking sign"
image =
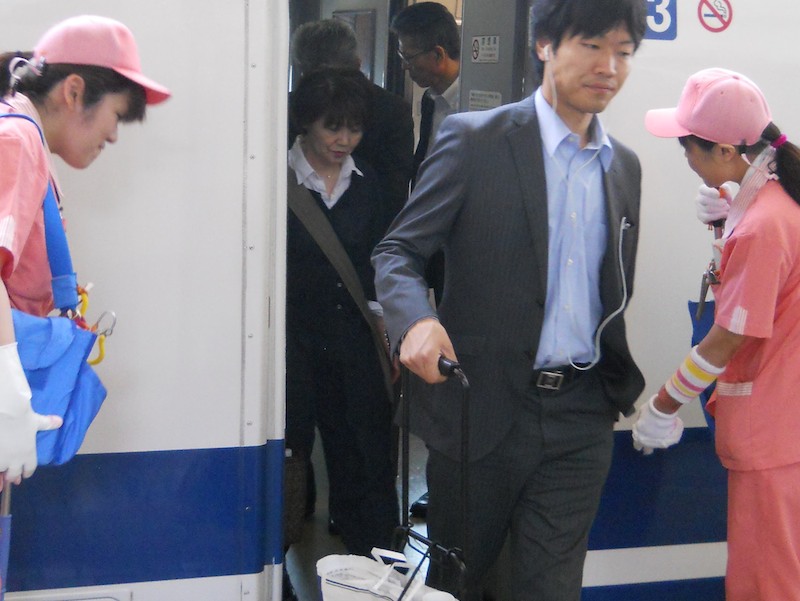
(715, 15)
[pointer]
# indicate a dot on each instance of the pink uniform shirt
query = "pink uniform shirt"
(24, 173)
(756, 403)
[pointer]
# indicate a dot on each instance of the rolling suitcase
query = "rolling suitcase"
(388, 575)
(453, 557)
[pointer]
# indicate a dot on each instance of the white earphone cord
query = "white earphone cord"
(623, 225)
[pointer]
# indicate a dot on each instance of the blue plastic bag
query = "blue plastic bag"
(53, 352)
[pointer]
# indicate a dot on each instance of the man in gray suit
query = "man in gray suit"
(537, 209)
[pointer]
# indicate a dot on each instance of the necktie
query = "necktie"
(425, 127)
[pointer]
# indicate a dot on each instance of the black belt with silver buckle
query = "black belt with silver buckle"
(554, 378)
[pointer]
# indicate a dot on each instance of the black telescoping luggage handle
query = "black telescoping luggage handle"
(448, 368)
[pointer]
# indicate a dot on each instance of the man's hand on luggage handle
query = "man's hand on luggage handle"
(423, 344)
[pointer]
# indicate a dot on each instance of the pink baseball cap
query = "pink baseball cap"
(98, 41)
(717, 105)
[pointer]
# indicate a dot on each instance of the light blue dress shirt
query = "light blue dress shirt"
(577, 230)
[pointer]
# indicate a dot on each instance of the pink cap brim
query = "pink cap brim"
(664, 124)
(154, 92)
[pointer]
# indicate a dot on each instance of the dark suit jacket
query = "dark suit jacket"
(481, 195)
(387, 145)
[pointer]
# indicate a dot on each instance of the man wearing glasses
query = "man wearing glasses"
(430, 48)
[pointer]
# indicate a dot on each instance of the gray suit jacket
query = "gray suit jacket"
(481, 195)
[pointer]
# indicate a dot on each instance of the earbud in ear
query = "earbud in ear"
(546, 52)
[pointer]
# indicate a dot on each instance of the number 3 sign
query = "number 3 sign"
(662, 22)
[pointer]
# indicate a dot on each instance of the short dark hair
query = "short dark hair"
(702, 143)
(554, 20)
(429, 24)
(340, 96)
(99, 82)
(329, 42)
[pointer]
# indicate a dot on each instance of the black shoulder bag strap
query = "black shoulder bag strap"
(303, 205)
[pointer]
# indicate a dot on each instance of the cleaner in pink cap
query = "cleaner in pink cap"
(67, 98)
(724, 125)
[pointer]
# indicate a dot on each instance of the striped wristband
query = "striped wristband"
(693, 376)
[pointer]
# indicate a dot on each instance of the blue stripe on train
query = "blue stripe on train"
(137, 517)
(708, 589)
(672, 497)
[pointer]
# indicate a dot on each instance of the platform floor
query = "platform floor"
(317, 542)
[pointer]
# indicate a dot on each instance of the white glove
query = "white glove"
(713, 204)
(18, 423)
(654, 429)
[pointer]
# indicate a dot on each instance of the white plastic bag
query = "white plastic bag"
(355, 577)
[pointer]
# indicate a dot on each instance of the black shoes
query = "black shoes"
(419, 508)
